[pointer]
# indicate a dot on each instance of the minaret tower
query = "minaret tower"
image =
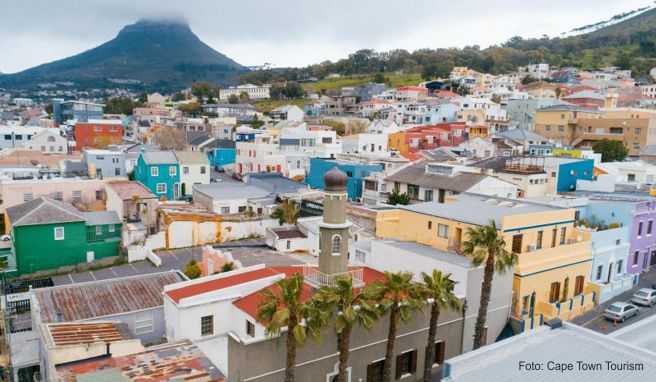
(334, 229)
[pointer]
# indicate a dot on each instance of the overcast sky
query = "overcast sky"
(291, 32)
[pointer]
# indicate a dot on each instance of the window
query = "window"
(360, 256)
(207, 325)
(250, 328)
(616, 130)
(99, 195)
(517, 243)
(154, 171)
(185, 170)
(600, 270)
(111, 228)
(225, 210)
(649, 226)
(28, 196)
(241, 209)
(413, 191)
(161, 188)
(630, 177)
(289, 244)
(563, 234)
(639, 229)
(375, 371)
(554, 292)
(172, 171)
(77, 196)
(202, 169)
(98, 230)
(538, 244)
(430, 224)
(428, 195)
(619, 266)
(336, 245)
(578, 285)
(443, 230)
(143, 323)
(59, 233)
(440, 350)
(554, 235)
(58, 195)
(635, 258)
(406, 363)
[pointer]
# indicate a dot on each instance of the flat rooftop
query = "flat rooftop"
(430, 252)
(568, 344)
(478, 209)
(86, 333)
(180, 361)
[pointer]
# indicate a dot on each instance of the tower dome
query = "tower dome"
(335, 180)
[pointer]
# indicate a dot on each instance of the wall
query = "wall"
(181, 234)
(569, 173)
(36, 248)
(14, 192)
(143, 175)
(356, 173)
(235, 230)
(96, 135)
(194, 176)
(105, 165)
(222, 157)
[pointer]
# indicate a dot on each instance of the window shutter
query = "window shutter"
(399, 360)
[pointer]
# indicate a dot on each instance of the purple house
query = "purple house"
(642, 251)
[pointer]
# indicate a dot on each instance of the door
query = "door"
(578, 288)
(90, 256)
(440, 195)
(183, 188)
(554, 292)
(176, 191)
(653, 258)
(610, 272)
(458, 238)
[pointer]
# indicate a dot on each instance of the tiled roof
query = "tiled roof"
(43, 210)
(288, 233)
(103, 298)
(127, 189)
(219, 283)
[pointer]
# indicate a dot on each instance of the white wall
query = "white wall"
(194, 176)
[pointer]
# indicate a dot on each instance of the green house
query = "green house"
(48, 234)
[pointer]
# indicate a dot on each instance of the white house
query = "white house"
(365, 143)
(48, 141)
(16, 136)
(287, 113)
(253, 91)
(194, 169)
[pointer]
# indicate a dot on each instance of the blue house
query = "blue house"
(159, 171)
(221, 152)
(356, 173)
(570, 170)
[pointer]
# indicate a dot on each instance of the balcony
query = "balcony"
(535, 260)
(570, 308)
(318, 279)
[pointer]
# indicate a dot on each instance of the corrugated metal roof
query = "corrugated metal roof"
(43, 210)
(86, 333)
(159, 157)
(103, 298)
(101, 217)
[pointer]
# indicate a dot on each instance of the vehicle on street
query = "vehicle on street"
(644, 297)
(620, 311)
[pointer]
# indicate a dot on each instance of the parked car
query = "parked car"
(620, 311)
(644, 297)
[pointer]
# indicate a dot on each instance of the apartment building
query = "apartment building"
(253, 91)
(551, 277)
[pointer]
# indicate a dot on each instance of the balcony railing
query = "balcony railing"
(319, 279)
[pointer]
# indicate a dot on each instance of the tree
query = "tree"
(485, 245)
(379, 78)
(192, 270)
(611, 151)
(397, 198)
(233, 99)
(528, 79)
(169, 138)
(283, 307)
(121, 105)
(437, 289)
(286, 212)
(400, 296)
(243, 97)
(177, 97)
(436, 70)
(350, 307)
(191, 108)
(202, 90)
(227, 267)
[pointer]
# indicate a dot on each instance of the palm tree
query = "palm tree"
(398, 295)
(352, 307)
(286, 212)
(283, 306)
(485, 245)
(438, 290)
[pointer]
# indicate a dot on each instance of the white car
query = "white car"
(620, 311)
(644, 297)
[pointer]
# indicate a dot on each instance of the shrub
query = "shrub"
(192, 270)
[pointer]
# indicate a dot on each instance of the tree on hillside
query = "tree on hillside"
(202, 90)
(436, 70)
(121, 105)
(233, 99)
(379, 78)
(611, 151)
(169, 138)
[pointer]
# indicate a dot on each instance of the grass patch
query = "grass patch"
(266, 105)
(393, 80)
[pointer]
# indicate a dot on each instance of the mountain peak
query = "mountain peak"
(161, 25)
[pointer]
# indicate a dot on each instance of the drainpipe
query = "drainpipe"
(462, 331)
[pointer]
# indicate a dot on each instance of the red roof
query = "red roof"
(219, 283)
(249, 304)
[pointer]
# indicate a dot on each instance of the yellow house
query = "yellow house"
(398, 141)
(554, 259)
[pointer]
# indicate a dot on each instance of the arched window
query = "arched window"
(336, 245)
(51, 139)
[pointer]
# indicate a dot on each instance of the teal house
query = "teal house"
(47, 234)
(159, 172)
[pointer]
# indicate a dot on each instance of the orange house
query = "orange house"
(410, 142)
(98, 134)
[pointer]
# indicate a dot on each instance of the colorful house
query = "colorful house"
(222, 153)
(48, 234)
(98, 133)
(159, 171)
(409, 142)
(355, 171)
(551, 277)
